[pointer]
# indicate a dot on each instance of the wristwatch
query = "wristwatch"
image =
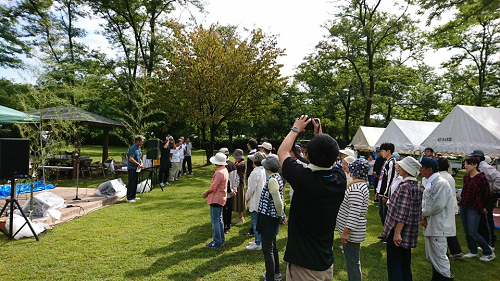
(295, 129)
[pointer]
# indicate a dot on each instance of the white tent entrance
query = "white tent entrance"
(366, 137)
(406, 135)
(465, 129)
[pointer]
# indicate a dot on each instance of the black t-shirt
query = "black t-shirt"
(379, 163)
(165, 153)
(313, 213)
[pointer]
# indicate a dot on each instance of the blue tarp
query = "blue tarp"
(23, 188)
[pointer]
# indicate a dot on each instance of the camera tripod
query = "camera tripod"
(12, 201)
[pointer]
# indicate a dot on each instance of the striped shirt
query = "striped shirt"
(405, 207)
(352, 213)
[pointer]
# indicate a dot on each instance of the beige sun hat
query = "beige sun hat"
(218, 159)
(410, 165)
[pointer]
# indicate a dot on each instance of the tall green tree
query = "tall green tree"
(473, 72)
(218, 76)
(11, 45)
(364, 38)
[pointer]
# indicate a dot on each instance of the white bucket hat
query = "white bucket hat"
(348, 152)
(218, 159)
(410, 165)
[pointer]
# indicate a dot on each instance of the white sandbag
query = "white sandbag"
(114, 187)
(144, 186)
(42, 203)
(19, 223)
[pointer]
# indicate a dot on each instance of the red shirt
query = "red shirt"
(475, 192)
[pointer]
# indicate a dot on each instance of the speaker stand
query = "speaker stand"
(152, 176)
(12, 201)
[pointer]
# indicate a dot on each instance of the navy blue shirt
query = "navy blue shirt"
(134, 151)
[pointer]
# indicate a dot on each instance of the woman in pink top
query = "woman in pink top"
(216, 198)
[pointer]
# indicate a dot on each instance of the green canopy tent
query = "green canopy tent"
(9, 116)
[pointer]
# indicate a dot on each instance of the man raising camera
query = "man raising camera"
(318, 192)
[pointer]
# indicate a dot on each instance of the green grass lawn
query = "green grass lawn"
(163, 237)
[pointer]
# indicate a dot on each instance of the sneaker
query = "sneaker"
(185, 174)
(488, 257)
(191, 174)
(383, 240)
(254, 247)
(212, 245)
(167, 183)
(137, 198)
(251, 243)
(277, 277)
(492, 248)
(459, 256)
(471, 255)
(249, 234)
(130, 201)
(235, 221)
(162, 184)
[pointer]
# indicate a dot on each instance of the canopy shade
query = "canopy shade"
(72, 113)
(406, 135)
(9, 116)
(366, 137)
(465, 129)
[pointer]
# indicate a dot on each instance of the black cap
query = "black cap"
(429, 162)
(477, 153)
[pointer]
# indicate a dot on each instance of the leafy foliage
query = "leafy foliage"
(216, 76)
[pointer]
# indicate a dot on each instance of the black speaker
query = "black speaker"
(14, 158)
(153, 154)
(153, 143)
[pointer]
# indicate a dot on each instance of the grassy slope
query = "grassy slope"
(163, 236)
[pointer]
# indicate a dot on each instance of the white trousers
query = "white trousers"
(435, 252)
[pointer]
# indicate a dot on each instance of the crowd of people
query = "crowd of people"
(330, 188)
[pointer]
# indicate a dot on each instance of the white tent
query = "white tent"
(406, 135)
(366, 137)
(465, 129)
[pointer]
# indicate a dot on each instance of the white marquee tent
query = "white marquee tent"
(406, 135)
(465, 129)
(366, 137)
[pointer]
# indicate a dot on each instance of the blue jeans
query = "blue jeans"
(253, 217)
(470, 223)
(351, 257)
(217, 225)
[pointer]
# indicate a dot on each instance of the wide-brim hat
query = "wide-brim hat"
(218, 159)
(349, 159)
(257, 156)
(410, 165)
(238, 154)
(348, 152)
(272, 162)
